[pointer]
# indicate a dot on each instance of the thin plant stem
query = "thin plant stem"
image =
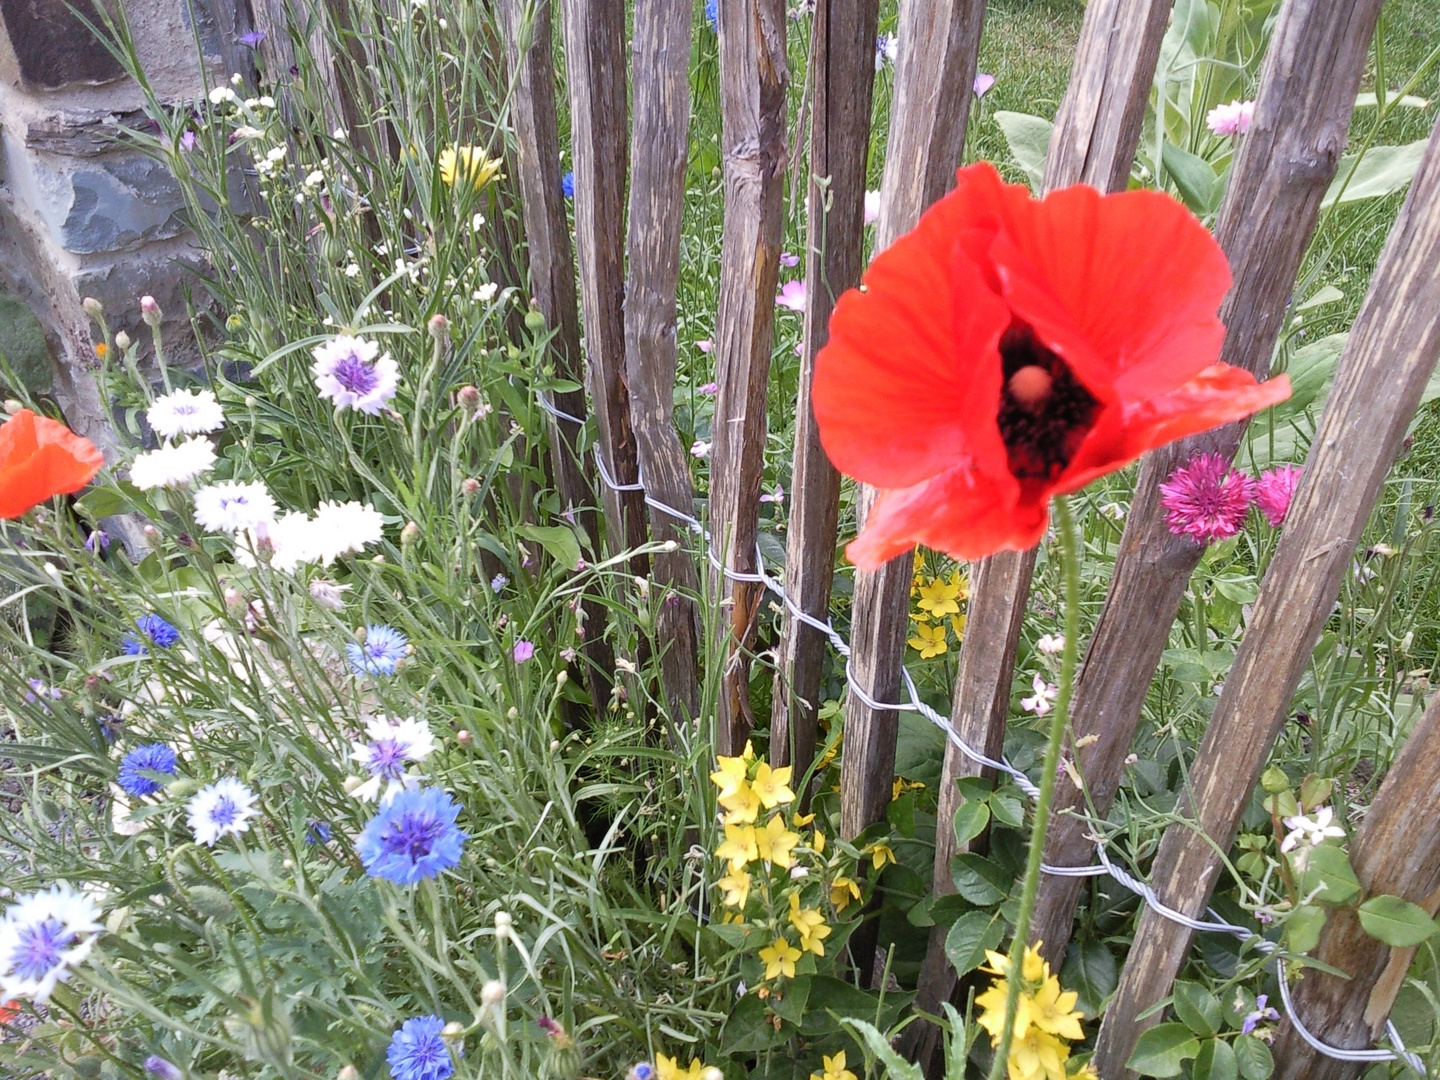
(1070, 563)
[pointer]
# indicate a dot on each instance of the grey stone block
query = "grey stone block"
(110, 203)
(53, 47)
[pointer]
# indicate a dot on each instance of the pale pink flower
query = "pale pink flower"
(983, 83)
(1274, 492)
(792, 295)
(777, 496)
(872, 207)
(709, 389)
(787, 259)
(1231, 119)
(1206, 500)
(705, 345)
(524, 650)
(1044, 695)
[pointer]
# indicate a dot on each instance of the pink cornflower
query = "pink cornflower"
(792, 295)
(1206, 499)
(1274, 492)
(524, 650)
(1232, 119)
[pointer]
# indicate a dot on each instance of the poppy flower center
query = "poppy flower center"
(1045, 412)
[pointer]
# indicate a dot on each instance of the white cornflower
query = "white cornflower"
(173, 465)
(185, 412)
(232, 506)
(220, 809)
(1044, 695)
(42, 936)
(291, 539)
(351, 372)
(1051, 643)
(328, 595)
(392, 744)
(1311, 833)
(700, 449)
(344, 528)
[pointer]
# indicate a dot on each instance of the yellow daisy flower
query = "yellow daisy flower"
(467, 163)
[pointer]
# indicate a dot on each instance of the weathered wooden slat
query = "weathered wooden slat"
(1396, 852)
(599, 119)
(933, 81)
(1284, 166)
(754, 78)
(658, 139)
(1096, 131)
(1388, 359)
(529, 51)
(842, 74)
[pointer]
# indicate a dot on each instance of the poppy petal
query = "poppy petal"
(40, 458)
(959, 512)
(896, 382)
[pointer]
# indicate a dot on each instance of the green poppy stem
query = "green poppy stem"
(1070, 562)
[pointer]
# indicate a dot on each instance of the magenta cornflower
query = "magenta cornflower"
(1206, 500)
(1274, 492)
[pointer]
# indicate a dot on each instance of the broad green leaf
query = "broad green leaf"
(1398, 923)
(1194, 178)
(791, 1004)
(970, 821)
(1383, 170)
(1197, 1008)
(978, 879)
(1326, 295)
(1314, 790)
(832, 1001)
(1216, 1061)
(970, 936)
(1162, 1050)
(1029, 140)
(1327, 868)
(1007, 809)
(559, 541)
(1254, 1058)
(896, 1067)
(1240, 588)
(748, 1028)
(1090, 971)
(1302, 929)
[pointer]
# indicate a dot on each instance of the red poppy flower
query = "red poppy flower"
(1011, 349)
(40, 458)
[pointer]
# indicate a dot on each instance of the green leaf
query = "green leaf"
(1327, 868)
(1314, 790)
(1325, 295)
(1383, 170)
(1197, 1008)
(896, 1067)
(970, 821)
(1007, 808)
(979, 880)
(969, 937)
(1194, 178)
(103, 502)
(1216, 1061)
(1161, 1050)
(791, 1004)
(1240, 588)
(1398, 923)
(1254, 1058)
(1409, 101)
(1302, 929)
(1029, 140)
(1090, 971)
(559, 541)
(832, 998)
(748, 1029)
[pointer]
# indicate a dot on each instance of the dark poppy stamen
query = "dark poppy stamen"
(1045, 412)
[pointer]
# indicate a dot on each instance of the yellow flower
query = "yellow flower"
(667, 1068)
(801, 820)
(731, 776)
(467, 163)
(743, 807)
(842, 891)
(1053, 1010)
(774, 843)
(817, 842)
(880, 854)
(1034, 970)
(901, 786)
(835, 1069)
(939, 598)
(810, 925)
(770, 785)
(736, 886)
(739, 846)
(1038, 1056)
(780, 959)
(1085, 1072)
(929, 640)
(961, 581)
(992, 1006)
(957, 623)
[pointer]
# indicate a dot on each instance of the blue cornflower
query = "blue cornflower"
(150, 758)
(567, 185)
(318, 832)
(155, 1065)
(154, 630)
(498, 582)
(643, 1070)
(712, 13)
(382, 652)
(417, 1051)
(414, 837)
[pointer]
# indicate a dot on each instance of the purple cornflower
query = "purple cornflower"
(252, 39)
(1206, 500)
(97, 542)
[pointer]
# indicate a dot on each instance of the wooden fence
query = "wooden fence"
(628, 274)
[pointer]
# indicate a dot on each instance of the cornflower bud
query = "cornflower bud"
(122, 341)
(92, 307)
(150, 311)
(469, 485)
(439, 327)
(469, 397)
(409, 534)
(492, 993)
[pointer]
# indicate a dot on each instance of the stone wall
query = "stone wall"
(81, 214)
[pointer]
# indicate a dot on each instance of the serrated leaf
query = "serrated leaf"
(1398, 923)
(1216, 1061)
(978, 879)
(1163, 1050)
(969, 937)
(1197, 1008)
(1090, 970)
(970, 821)
(896, 1067)
(1007, 808)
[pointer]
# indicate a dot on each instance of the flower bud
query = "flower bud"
(409, 534)
(710, 1072)
(150, 533)
(502, 923)
(453, 1030)
(469, 485)
(469, 397)
(670, 545)
(155, 1065)
(351, 783)
(348, 1072)
(439, 327)
(463, 737)
(492, 993)
(1274, 780)
(234, 598)
(561, 678)
(92, 307)
(122, 341)
(150, 311)
(12, 406)
(534, 320)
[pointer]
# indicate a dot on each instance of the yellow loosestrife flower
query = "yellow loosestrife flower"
(835, 1068)
(739, 846)
(771, 786)
(939, 598)
(842, 891)
(1038, 1056)
(1045, 1017)
(780, 959)
(880, 854)
(818, 841)
(1053, 1010)
(736, 886)
(668, 1068)
(743, 807)
(732, 775)
(957, 623)
(810, 925)
(467, 163)
(929, 640)
(774, 843)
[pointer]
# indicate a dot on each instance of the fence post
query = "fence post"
(552, 281)
(842, 72)
(599, 122)
(1396, 852)
(754, 78)
(1096, 132)
(933, 85)
(1264, 227)
(1381, 375)
(658, 143)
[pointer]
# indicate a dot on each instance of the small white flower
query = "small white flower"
(1113, 510)
(476, 222)
(872, 207)
(343, 528)
(486, 292)
(222, 94)
(43, 936)
(232, 507)
(1044, 695)
(220, 809)
(185, 412)
(277, 153)
(393, 743)
(267, 102)
(245, 132)
(340, 135)
(293, 539)
(351, 372)
(1051, 643)
(353, 270)
(700, 449)
(264, 166)
(328, 595)
(173, 465)
(315, 179)
(1311, 833)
